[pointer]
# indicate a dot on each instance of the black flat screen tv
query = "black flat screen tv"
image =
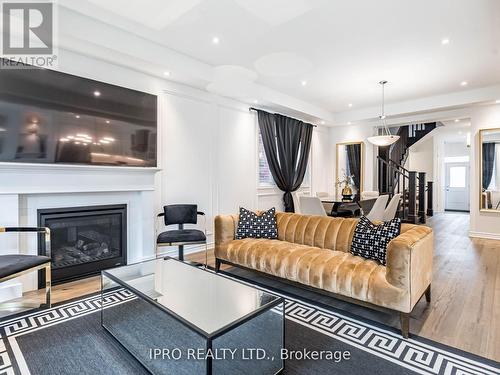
(53, 117)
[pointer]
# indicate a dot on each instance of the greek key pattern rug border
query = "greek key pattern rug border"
(408, 353)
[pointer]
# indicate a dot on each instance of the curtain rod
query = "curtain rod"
(255, 109)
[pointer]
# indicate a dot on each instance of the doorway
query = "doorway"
(457, 196)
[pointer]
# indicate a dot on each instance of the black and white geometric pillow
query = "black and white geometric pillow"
(251, 225)
(370, 241)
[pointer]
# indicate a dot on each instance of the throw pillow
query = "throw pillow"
(370, 241)
(251, 225)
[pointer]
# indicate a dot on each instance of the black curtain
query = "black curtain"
(354, 160)
(488, 163)
(287, 143)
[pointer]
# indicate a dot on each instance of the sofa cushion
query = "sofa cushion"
(252, 225)
(370, 241)
(319, 231)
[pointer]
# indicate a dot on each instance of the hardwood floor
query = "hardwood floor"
(465, 308)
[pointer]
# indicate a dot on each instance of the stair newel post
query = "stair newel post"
(421, 197)
(412, 197)
(430, 192)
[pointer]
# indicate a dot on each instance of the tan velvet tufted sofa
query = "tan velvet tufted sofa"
(314, 251)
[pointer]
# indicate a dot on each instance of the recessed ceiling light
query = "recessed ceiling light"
(457, 120)
(303, 83)
(215, 40)
(256, 101)
(348, 123)
(497, 101)
(464, 83)
(445, 41)
(77, 116)
(97, 93)
(166, 74)
(322, 122)
(349, 105)
(3, 130)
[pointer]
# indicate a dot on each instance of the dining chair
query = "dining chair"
(328, 206)
(392, 208)
(296, 202)
(312, 206)
(378, 209)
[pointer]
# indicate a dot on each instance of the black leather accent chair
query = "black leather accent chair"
(181, 214)
(15, 265)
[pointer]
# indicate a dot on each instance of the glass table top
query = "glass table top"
(202, 298)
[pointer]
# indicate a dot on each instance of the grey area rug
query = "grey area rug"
(68, 339)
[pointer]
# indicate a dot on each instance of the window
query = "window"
(265, 176)
(458, 177)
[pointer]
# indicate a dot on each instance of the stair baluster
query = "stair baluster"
(421, 197)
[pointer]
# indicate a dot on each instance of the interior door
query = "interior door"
(457, 187)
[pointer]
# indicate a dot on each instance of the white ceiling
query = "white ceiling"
(341, 48)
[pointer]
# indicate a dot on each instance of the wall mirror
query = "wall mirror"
(489, 141)
(350, 163)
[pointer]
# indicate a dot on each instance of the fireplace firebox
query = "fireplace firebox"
(84, 240)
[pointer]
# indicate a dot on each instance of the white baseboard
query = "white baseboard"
(10, 290)
(489, 236)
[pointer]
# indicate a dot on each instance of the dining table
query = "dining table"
(337, 203)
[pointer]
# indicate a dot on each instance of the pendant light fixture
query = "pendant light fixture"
(386, 139)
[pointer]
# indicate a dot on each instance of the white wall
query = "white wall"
(482, 224)
(421, 156)
(209, 154)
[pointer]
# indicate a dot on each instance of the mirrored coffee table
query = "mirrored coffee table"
(175, 318)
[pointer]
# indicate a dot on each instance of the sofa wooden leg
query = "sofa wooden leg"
(428, 294)
(217, 265)
(405, 324)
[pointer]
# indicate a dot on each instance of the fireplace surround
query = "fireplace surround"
(84, 240)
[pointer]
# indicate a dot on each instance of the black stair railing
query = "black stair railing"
(416, 193)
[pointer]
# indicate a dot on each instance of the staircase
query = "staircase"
(416, 193)
(393, 178)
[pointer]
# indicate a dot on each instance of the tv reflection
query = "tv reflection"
(77, 139)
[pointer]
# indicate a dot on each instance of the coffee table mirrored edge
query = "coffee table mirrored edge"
(208, 336)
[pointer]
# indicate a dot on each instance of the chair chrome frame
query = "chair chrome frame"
(179, 244)
(48, 284)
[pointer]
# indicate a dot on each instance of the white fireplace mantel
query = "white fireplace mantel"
(28, 178)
